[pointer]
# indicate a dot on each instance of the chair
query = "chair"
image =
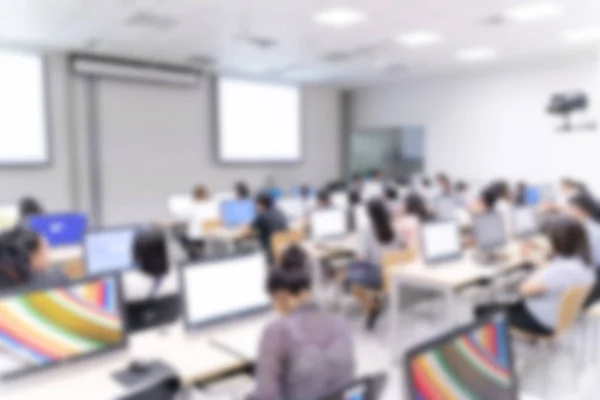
(280, 241)
(164, 389)
(570, 308)
(365, 388)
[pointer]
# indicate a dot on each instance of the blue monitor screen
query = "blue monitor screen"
(60, 230)
(533, 195)
(110, 251)
(238, 212)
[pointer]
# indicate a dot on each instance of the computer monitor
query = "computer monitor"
(372, 190)
(293, 208)
(109, 250)
(59, 230)
(180, 206)
(360, 217)
(9, 216)
(236, 213)
(445, 208)
(200, 213)
(41, 329)
(440, 241)
(474, 362)
(525, 222)
(489, 231)
(328, 223)
(533, 195)
(218, 290)
(340, 199)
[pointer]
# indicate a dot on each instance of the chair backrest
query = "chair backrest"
(165, 389)
(365, 388)
(392, 260)
(570, 307)
(280, 241)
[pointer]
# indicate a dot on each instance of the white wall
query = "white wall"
(492, 123)
(49, 183)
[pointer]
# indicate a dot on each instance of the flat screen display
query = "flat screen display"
(59, 230)
(258, 122)
(109, 251)
(205, 299)
(328, 223)
(9, 216)
(441, 241)
(43, 328)
(475, 363)
(235, 213)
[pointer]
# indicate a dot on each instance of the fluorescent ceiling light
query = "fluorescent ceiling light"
(340, 17)
(419, 38)
(477, 54)
(583, 35)
(535, 11)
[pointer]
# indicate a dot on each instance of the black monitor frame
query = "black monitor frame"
(412, 353)
(112, 349)
(194, 326)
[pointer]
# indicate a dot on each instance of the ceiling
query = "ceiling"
(278, 38)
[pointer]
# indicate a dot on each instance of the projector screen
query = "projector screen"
(258, 122)
(23, 133)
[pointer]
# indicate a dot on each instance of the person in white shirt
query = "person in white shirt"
(570, 266)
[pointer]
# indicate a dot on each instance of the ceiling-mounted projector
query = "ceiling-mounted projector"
(565, 105)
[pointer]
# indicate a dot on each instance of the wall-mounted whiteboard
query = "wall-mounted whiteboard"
(23, 128)
(258, 122)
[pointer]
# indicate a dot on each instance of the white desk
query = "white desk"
(193, 358)
(243, 341)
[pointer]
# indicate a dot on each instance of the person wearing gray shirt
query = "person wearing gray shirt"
(307, 353)
(569, 267)
(585, 209)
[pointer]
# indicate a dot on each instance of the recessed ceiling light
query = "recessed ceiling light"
(583, 35)
(419, 38)
(535, 11)
(477, 54)
(340, 17)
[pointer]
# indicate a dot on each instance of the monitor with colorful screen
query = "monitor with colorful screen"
(41, 329)
(474, 362)
(60, 230)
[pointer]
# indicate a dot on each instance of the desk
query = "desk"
(242, 342)
(193, 358)
(447, 278)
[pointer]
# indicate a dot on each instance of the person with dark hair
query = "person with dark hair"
(542, 292)
(241, 191)
(521, 194)
(305, 353)
(200, 193)
(269, 220)
(30, 207)
(151, 255)
(323, 199)
(584, 208)
(409, 219)
(463, 196)
(391, 199)
(356, 183)
(354, 198)
(294, 258)
(25, 261)
(375, 239)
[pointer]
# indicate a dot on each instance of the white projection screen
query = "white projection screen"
(23, 127)
(258, 122)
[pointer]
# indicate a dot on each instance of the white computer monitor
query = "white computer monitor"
(372, 190)
(339, 199)
(9, 216)
(329, 223)
(489, 231)
(293, 208)
(361, 219)
(108, 251)
(180, 205)
(525, 222)
(219, 290)
(440, 241)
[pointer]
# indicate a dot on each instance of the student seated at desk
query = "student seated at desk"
(392, 199)
(375, 239)
(463, 196)
(241, 191)
(25, 261)
(151, 255)
(191, 242)
(407, 222)
(306, 353)
(323, 200)
(542, 292)
(584, 208)
(295, 258)
(444, 184)
(30, 207)
(268, 221)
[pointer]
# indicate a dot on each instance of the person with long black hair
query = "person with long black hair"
(365, 275)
